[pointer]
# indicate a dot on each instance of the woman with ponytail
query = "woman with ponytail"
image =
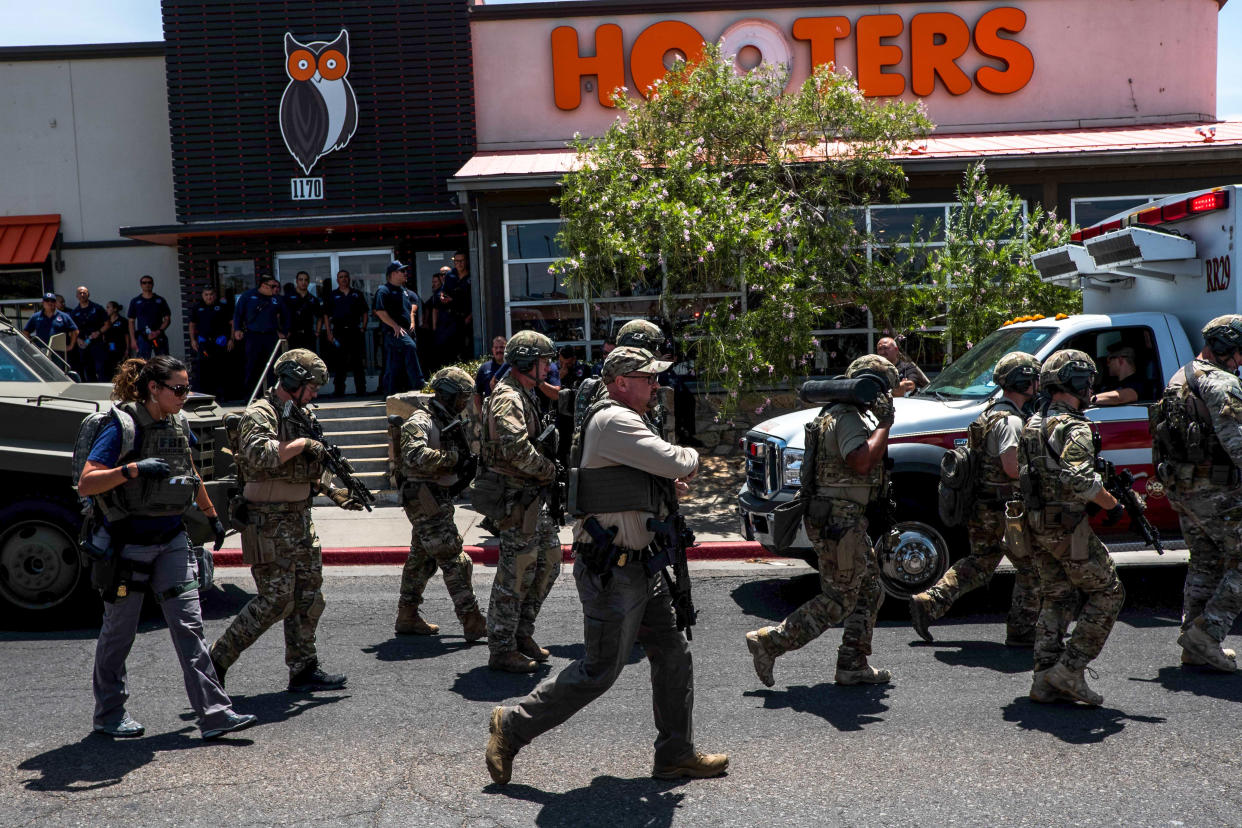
(142, 479)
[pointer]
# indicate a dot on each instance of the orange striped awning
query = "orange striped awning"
(27, 239)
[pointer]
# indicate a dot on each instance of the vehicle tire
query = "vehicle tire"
(43, 580)
(920, 555)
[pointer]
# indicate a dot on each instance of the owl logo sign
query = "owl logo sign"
(318, 112)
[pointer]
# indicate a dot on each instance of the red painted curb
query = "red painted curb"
(488, 554)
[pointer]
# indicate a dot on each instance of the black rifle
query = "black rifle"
(1120, 485)
(333, 460)
(672, 538)
(467, 464)
(555, 490)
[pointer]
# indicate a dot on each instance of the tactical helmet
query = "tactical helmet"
(1016, 372)
(1071, 371)
(524, 347)
(298, 367)
(453, 384)
(874, 365)
(639, 333)
(1224, 334)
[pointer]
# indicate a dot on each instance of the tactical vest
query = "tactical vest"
(1184, 442)
(833, 476)
(611, 488)
(591, 391)
(432, 426)
(169, 440)
(489, 450)
(301, 468)
(1039, 476)
(993, 484)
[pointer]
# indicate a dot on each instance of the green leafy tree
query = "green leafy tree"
(983, 275)
(723, 182)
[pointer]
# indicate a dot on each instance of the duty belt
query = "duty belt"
(293, 506)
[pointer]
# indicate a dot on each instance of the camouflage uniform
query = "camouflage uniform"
(279, 544)
(992, 433)
(1057, 446)
(1208, 498)
(836, 525)
(434, 539)
(530, 551)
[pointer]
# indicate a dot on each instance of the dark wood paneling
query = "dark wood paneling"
(411, 70)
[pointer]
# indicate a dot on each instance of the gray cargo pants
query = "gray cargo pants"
(632, 607)
(172, 564)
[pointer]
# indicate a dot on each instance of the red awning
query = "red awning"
(27, 239)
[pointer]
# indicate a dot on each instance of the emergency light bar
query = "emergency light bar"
(1154, 216)
(1137, 251)
(1060, 264)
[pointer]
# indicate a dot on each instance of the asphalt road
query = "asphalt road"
(953, 741)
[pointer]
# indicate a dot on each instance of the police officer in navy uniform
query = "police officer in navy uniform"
(89, 351)
(141, 492)
(211, 342)
(259, 321)
(305, 315)
(149, 316)
(397, 308)
(49, 322)
(347, 319)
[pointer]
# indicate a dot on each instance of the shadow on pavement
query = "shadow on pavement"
(223, 602)
(1201, 681)
(279, 706)
(415, 647)
(773, 598)
(987, 654)
(845, 708)
(484, 684)
(1072, 723)
(608, 800)
(100, 762)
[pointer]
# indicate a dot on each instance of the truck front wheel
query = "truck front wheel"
(42, 578)
(912, 559)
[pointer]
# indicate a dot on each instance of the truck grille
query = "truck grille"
(763, 455)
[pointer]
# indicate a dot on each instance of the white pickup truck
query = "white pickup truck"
(1151, 278)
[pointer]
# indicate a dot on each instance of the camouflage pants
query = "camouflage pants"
(1061, 579)
(987, 547)
(288, 589)
(850, 593)
(434, 541)
(1212, 524)
(527, 568)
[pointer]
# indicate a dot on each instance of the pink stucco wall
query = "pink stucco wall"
(1097, 63)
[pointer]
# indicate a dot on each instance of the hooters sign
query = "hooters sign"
(892, 53)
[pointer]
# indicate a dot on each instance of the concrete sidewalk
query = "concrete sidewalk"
(382, 536)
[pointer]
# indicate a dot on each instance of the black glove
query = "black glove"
(1114, 515)
(314, 449)
(154, 467)
(217, 529)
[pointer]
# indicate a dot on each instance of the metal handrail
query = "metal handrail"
(262, 386)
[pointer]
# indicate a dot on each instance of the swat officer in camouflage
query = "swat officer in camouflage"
(845, 468)
(994, 435)
(637, 333)
(1057, 454)
(530, 552)
(281, 473)
(434, 455)
(1197, 448)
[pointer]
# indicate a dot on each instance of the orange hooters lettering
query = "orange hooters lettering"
(656, 41)
(937, 40)
(1020, 63)
(569, 66)
(823, 34)
(874, 55)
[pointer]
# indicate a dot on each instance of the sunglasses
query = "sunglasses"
(179, 390)
(650, 378)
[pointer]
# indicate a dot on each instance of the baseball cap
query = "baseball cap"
(395, 265)
(49, 297)
(627, 360)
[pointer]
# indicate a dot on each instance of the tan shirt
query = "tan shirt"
(617, 436)
(850, 431)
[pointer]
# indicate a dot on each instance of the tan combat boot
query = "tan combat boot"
(409, 622)
(1072, 683)
(864, 675)
(1189, 659)
(920, 616)
(473, 625)
(499, 755)
(529, 648)
(695, 766)
(761, 651)
(511, 661)
(1043, 692)
(1199, 643)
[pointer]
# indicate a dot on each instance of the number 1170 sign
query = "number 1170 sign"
(306, 189)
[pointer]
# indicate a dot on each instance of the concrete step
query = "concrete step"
(365, 452)
(369, 464)
(327, 414)
(356, 438)
(354, 424)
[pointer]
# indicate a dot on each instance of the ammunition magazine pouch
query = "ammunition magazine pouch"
(487, 495)
(1056, 516)
(612, 489)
